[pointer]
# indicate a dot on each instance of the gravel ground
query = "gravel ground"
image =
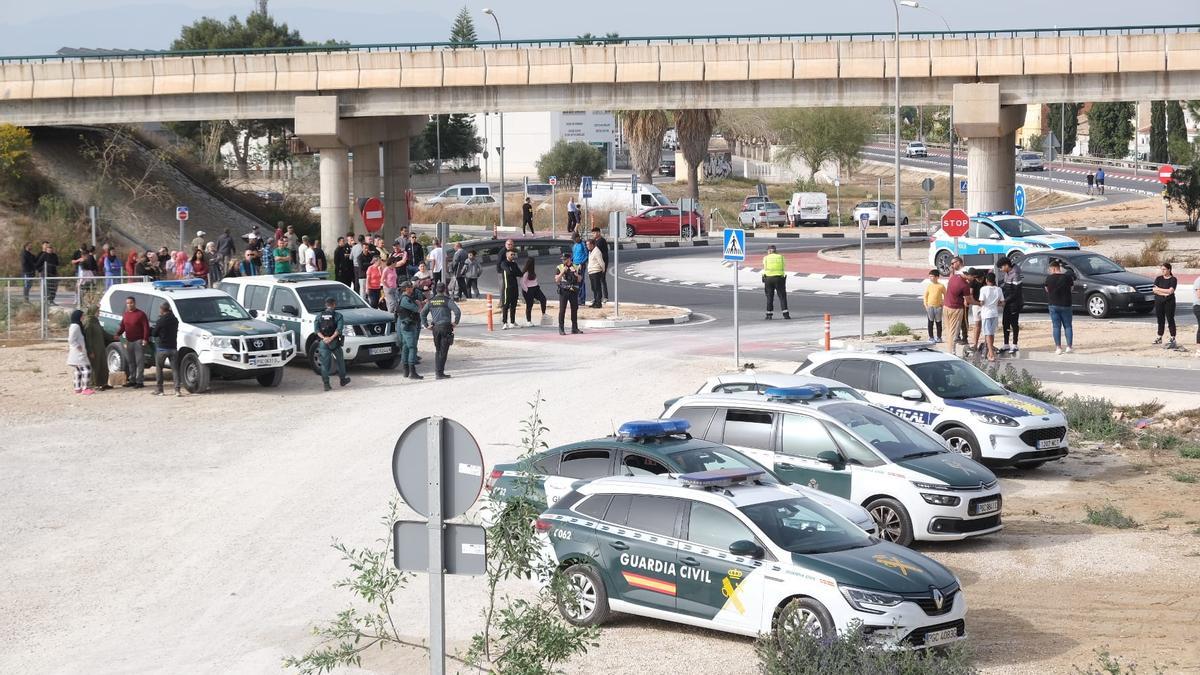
(138, 540)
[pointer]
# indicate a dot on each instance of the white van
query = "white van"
(808, 207)
(460, 193)
(614, 196)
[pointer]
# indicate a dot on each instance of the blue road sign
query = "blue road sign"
(962, 186)
(1019, 201)
(734, 247)
(585, 187)
(633, 184)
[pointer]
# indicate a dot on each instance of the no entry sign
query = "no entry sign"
(955, 222)
(372, 214)
(1165, 173)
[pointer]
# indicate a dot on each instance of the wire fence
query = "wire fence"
(39, 307)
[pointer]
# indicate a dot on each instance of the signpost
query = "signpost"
(616, 224)
(734, 250)
(93, 215)
(1019, 200)
(438, 470)
(864, 219)
(837, 187)
(552, 181)
(927, 185)
(585, 191)
(1166, 174)
(181, 214)
(372, 214)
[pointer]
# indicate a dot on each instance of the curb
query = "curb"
(1100, 360)
(684, 317)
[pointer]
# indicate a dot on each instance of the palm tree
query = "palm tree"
(694, 128)
(643, 130)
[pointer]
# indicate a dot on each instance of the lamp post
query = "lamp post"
(897, 214)
(951, 134)
(499, 148)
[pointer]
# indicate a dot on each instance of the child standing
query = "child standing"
(991, 300)
(935, 297)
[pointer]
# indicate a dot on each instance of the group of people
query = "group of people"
(1095, 181)
(586, 265)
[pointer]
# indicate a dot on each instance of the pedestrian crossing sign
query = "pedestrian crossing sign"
(735, 244)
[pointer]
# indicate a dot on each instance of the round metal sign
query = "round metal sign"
(927, 185)
(461, 477)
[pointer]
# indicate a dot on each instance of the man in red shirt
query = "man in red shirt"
(958, 298)
(135, 327)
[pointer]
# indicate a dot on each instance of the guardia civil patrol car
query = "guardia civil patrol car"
(723, 549)
(641, 448)
(217, 338)
(996, 233)
(945, 394)
(911, 484)
(293, 301)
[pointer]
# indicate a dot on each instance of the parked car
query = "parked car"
(874, 217)
(1030, 161)
(916, 149)
(749, 200)
(664, 221)
(667, 167)
(476, 202)
(613, 195)
(763, 213)
(270, 197)
(808, 207)
(996, 233)
(460, 193)
(1102, 287)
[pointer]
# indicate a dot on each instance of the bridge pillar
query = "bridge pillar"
(990, 130)
(335, 192)
(396, 169)
(366, 182)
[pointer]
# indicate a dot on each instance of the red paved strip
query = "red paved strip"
(810, 263)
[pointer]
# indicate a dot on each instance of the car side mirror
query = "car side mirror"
(746, 549)
(995, 236)
(291, 310)
(832, 459)
(254, 313)
(912, 395)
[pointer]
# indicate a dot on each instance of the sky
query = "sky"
(43, 27)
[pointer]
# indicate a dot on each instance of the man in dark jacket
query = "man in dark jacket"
(330, 328)
(343, 265)
(47, 264)
(166, 333)
(441, 315)
(29, 268)
(226, 250)
(602, 244)
(1010, 283)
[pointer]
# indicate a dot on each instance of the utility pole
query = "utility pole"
(262, 6)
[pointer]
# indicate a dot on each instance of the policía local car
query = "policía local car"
(996, 233)
(644, 448)
(217, 338)
(722, 550)
(293, 301)
(911, 484)
(945, 394)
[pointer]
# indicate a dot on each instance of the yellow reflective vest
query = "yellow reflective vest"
(773, 265)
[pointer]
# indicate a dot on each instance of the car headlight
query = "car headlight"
(222, 343)
(993, 418)
(1124, 288)
(940, 500)
(928, 486)
(869, 601)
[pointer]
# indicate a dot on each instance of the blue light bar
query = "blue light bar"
(720, 477)
(179, 283)
(985, 214)
(302, 276)
(639, 429)
(806, 393)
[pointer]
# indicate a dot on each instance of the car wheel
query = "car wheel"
(883, 221)
(629, 231)
(314, 356)
(942, 262)
(1097, 306)
(117, 358)
(1015, 257)
(892, 520)
(686, 231)
(586, 601)
(195, 374)
(905, 221)
(963, 442)
(388, 364)
(804, 615)
(271, 378)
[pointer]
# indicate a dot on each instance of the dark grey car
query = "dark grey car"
(1102, 287)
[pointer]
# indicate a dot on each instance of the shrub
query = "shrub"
(899, 328)
(1092, 418)
(1189, 452)
(15, 145)
(1107, 664)
(796, 652)
(570, 161)
(1149, 256)
(1109, 516)
(1184, 477)
(1020, 382)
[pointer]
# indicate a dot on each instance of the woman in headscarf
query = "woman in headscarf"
(96, 341)
(131, 262)
(77, 356)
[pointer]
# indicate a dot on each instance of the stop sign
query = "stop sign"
(372, 214)
(1165, 172)
(955, 222)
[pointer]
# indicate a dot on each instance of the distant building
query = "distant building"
(529, 135)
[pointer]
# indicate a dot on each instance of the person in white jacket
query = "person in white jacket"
(77, 354)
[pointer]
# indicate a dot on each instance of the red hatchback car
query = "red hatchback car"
(663, 221)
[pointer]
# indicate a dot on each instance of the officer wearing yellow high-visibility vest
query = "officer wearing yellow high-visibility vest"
(774, 278)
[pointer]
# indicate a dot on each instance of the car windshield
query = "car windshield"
(1095, 264)
(313, 297)
(660, 199)
(705, 459)
(769, 205)
(847, 394)
(800, 525)
(1020, 227)
(885, 432)
(1030, 157)
(955, 379)
(209, 309)
(867, 205)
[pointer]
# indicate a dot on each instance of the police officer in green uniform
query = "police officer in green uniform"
(408, 325)
(442, 315)
(774, 278)
(330, 329)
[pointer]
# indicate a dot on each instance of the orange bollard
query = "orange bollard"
(826, 332)
(491, 326)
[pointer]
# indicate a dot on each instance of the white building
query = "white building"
(529, 135)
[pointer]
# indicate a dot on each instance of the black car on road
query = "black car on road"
(1102, 287)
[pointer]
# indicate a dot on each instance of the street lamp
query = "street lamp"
(499, 148)
(951, 134)
(899, 230)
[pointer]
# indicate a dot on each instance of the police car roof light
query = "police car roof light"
(293, 277)
(720, 477)
(905, 347)
(806, 393)
(985, 214)
(640, 429)
(179, 283)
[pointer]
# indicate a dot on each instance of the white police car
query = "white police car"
(721, 550)
(996, 233)
(977, 417)
(908, 481)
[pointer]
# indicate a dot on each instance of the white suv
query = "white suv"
(292, 302)
(916, 149)
(977, 417)
(217, 338)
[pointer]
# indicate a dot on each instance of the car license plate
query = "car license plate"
(940, 637)
(265, 361)
(987, 507)
(1149, 297)
(1049, 443)
(376, 351)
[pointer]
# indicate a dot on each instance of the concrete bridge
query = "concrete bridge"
(362, 97)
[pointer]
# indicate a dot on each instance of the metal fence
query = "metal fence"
(39, 308)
